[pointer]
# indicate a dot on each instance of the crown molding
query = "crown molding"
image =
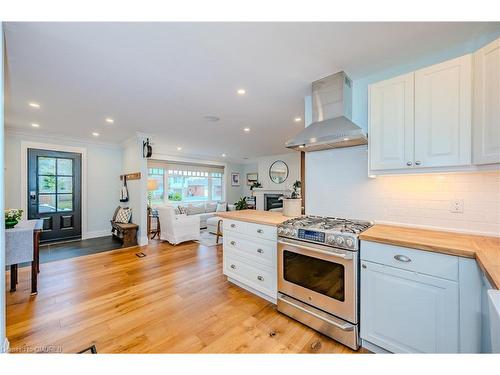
(51, 138)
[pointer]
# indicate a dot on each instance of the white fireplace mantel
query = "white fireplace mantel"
(259, 193)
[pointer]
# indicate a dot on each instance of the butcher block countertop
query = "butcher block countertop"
(485, 249)
(255, 216)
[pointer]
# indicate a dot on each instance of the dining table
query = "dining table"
(22, 245)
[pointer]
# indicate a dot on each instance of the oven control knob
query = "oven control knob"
(280, 230)
(349, 242)
(287, 231)
(339, 240)
(330, 239)
(294, 233)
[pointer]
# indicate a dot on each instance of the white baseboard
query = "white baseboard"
(5, 347)
(143, 240)
(96, 233)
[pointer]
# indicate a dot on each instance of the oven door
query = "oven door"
(323, 277)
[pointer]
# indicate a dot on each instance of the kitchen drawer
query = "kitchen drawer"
(262, 231)
(261, 279)
(424, 262)
(262, 251)
(234, 225)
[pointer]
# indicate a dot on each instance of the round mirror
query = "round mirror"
(278, 172)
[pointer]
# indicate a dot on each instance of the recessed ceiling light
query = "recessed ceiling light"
(179, 148)
(223, 155)
(346, 139)
(301, 146)
(35, 125)
(241, 91)
(95, 134)
(246, 129)
(297, 119)
(109, 120)
(34, 105)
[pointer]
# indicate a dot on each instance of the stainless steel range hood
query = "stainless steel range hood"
(332, 126)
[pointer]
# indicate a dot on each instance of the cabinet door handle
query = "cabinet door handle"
(233, 243)
(418, 162)
(233, 225)
(402, 258)
(260, 278)
(409, 163)
(260, 231)
(233, 266)
(260, 251)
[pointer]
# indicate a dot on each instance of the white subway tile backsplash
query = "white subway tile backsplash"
(422, 199)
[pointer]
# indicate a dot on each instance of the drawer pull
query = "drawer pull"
(260, 251)
(233, 225)
(233, 243)
(260, 231)
(402, 258)
(260, 278)
(233, 266)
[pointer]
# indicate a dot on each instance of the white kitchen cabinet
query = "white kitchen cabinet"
(409, 299)
(486, 105)
(391, 125)
(443, 103)
(408, 312)
(250, 257)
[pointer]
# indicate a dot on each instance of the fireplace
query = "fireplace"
(272, 201)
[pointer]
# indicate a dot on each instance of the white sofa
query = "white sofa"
(201, 210)
(178, 228)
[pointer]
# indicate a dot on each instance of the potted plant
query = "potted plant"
(12, 217)
(292, 204)
(256, 185)
(241, 204)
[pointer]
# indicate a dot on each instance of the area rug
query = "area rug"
(208, 239)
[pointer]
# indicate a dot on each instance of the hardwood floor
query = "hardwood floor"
(174, 300)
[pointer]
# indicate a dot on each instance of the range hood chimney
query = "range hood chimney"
(332, 110)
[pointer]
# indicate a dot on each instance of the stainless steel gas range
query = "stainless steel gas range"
(318, 264)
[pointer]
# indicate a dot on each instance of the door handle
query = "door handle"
(233, 243)
(260, 231)
(260, 251)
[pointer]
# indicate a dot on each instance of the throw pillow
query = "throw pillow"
(183, 210)
(211, 207)
(123, 215)
(221, 207)
(195, 209)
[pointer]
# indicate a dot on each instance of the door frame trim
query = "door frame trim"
(25, 145)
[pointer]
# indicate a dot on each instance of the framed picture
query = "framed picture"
(251, 178)
(235, 179)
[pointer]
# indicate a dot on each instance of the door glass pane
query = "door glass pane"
(46, 166)
(65, 167)
(64, 202)
(46, 184)
(316, 274)
(64, 184)
(46, 203)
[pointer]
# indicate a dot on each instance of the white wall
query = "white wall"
(133, 162)
(234, 193)
(248, 168)
(337, 185)
(292, 159)
(104, 164)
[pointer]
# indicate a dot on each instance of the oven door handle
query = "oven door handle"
(343, 327)
(347, 256)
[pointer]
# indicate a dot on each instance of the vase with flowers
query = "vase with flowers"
(12, 217)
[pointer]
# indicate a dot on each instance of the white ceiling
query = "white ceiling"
(162, 78)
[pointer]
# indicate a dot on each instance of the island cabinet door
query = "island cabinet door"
(407, 312)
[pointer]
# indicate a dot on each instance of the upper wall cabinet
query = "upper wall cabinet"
(391, 123)
(422, 119)
(486, 109)
(443, 114)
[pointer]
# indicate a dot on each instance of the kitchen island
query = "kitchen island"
(250, 250)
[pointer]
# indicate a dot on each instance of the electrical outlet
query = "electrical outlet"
(457, 206)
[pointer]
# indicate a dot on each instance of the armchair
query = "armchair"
(178, 228)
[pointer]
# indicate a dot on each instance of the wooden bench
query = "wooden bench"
(125, 232)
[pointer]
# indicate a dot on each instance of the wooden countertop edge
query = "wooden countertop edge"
(481, 257)
(263, 221)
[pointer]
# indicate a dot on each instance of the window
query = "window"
(185, 183)
(55, 184)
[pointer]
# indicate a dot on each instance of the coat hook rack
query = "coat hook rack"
(131, 176)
